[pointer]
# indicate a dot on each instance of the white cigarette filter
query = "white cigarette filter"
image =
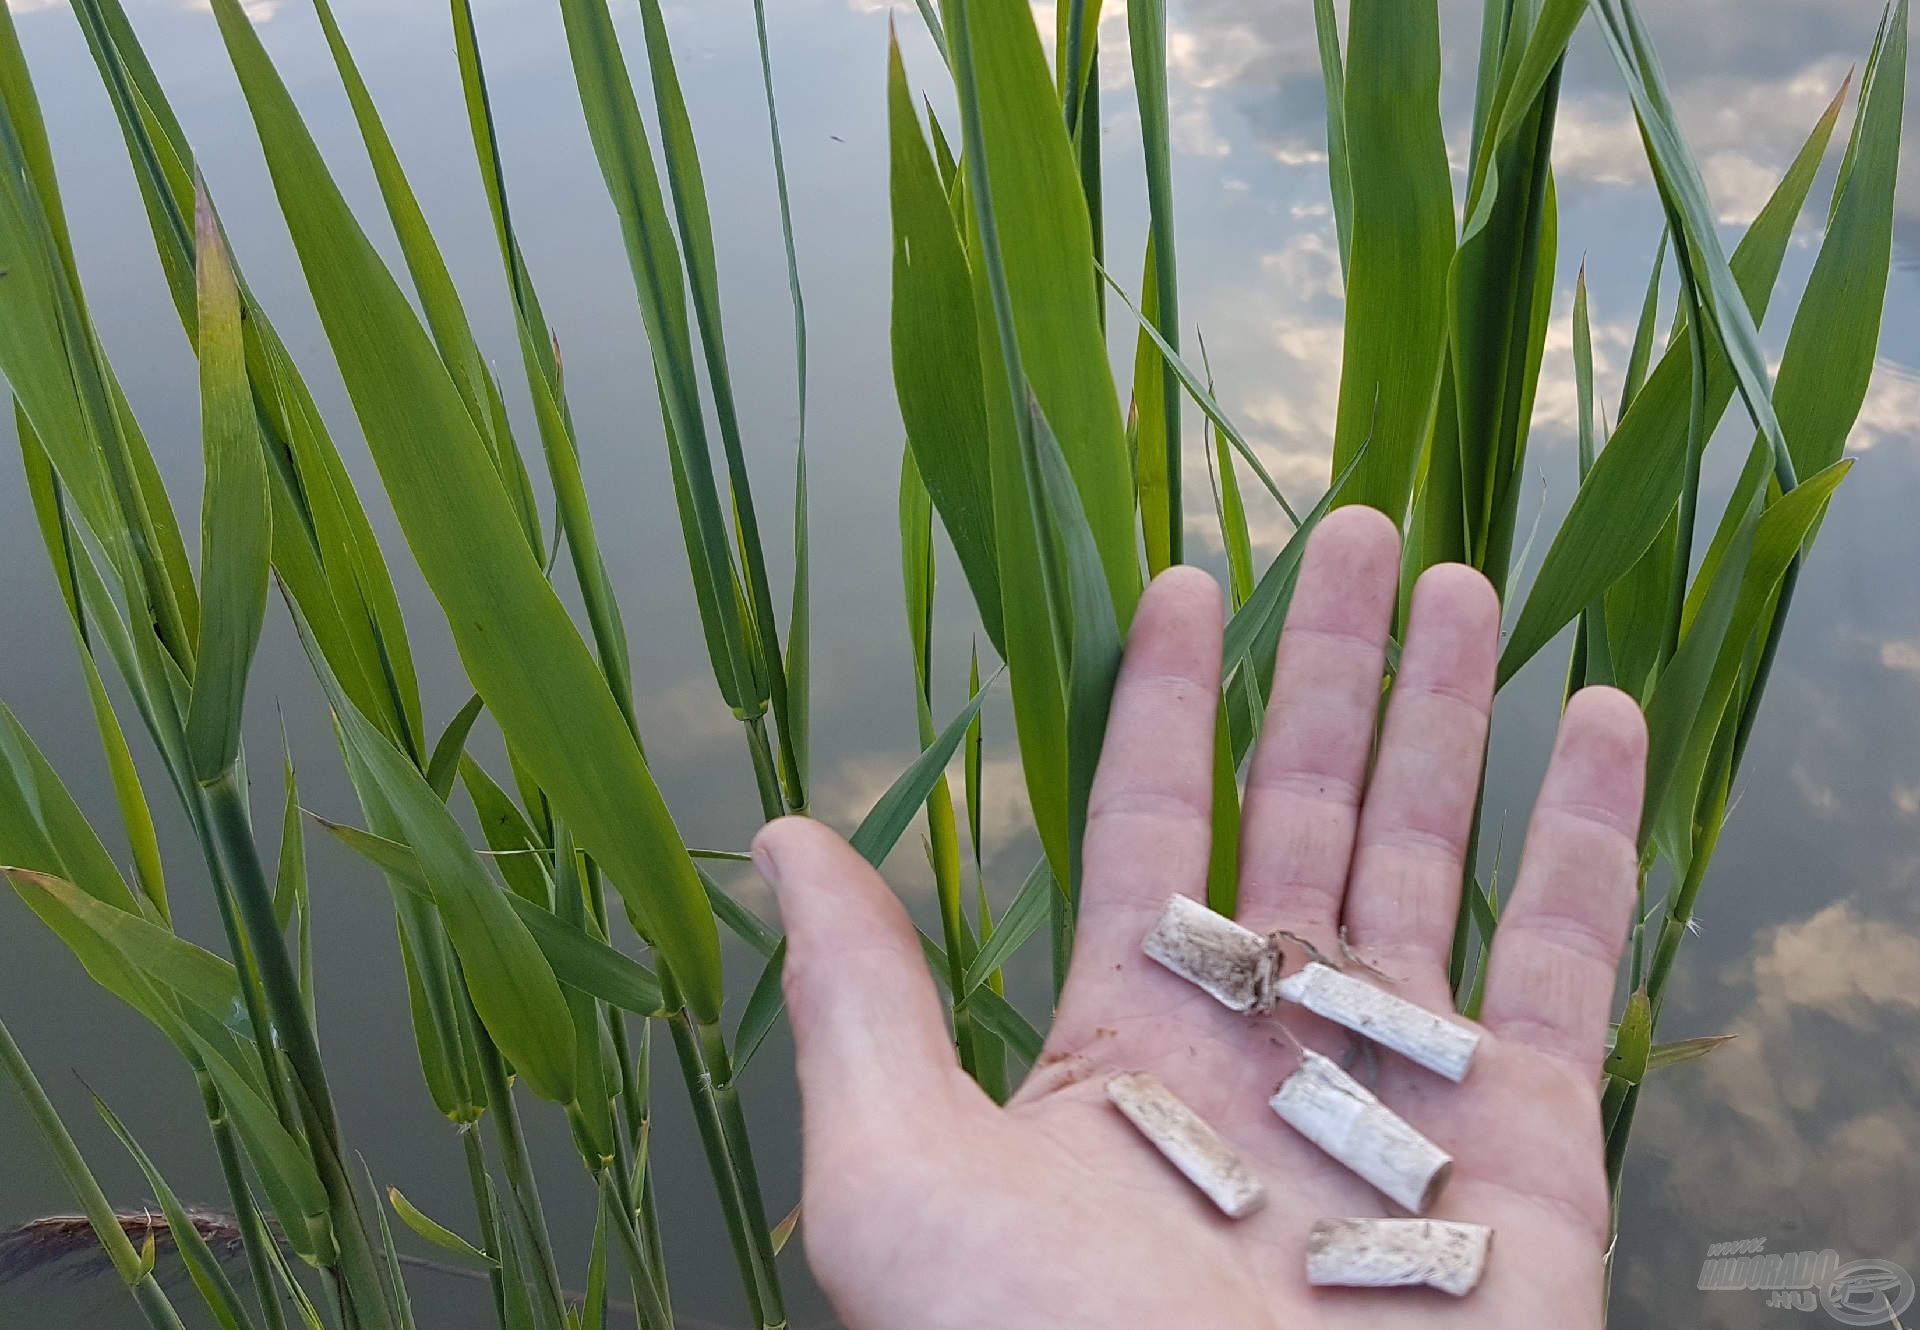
(1236, 965)
(1397, 1253)
(1337, 1113)
(1188, 1143)
(1415, 1033)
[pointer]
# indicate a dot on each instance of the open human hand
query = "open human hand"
(928, 1206)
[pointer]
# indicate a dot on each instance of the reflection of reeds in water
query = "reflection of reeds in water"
(40, 1245)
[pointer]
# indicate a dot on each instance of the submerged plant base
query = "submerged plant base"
(1339, 1115)
(1397, 1253)
(1188, 1143)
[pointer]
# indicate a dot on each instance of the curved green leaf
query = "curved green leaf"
(235, 526)
(936, 354)
(1402, 243)
(523, 654)
(1631, 489)
(438, 1234)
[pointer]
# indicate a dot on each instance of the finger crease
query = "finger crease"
(1315, 785)
(1474, 701)
(1583, 813)
(1156, 804)
(1568, 933)
(1357, 639)
(1421, 844)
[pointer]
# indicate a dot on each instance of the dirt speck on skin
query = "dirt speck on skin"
(1058, 1070)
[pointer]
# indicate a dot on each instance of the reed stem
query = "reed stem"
(733, 1125)
(721, 1164)
(254, 1236)
(650, 1299)
(511, 1141)
(245, 970)
(224, 807)
(477, 1182)
(766, 775)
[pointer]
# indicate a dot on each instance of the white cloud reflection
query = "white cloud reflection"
(257, 10)
(1801, 1129)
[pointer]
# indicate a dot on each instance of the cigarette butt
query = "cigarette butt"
(1336, 1113)
(1214, 953)
(1397, 1253)
(1188, 1143)
(1415, 1033)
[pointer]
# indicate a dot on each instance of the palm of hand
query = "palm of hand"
(928, 1206)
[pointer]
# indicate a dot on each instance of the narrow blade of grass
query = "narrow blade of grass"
(235, 533)
(1147, 43)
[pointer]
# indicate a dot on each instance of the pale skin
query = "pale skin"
(928, 1206)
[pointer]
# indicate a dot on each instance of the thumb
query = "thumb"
(869, 1034)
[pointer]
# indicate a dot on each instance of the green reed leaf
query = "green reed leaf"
(512, 986)
(175, 965)
(1333, 76)
(439, 298)
(1640, 354)
(1202, 395)
(1830, 352)
(435, 1232)
(1147, 44)
(880, 830)
(42, 828)
(99, 1211)
(1691, 213)
(625, 153)
(1402, 242)
(1626, 498)
(1692, 697)
(235, 531)
(1020, 921)
(1034, 274)
(280, 1159)
(1684, 1050)
(578, 959)
(936, 354)
(523, 655)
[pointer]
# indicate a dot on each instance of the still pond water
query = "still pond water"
(1809, 950)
